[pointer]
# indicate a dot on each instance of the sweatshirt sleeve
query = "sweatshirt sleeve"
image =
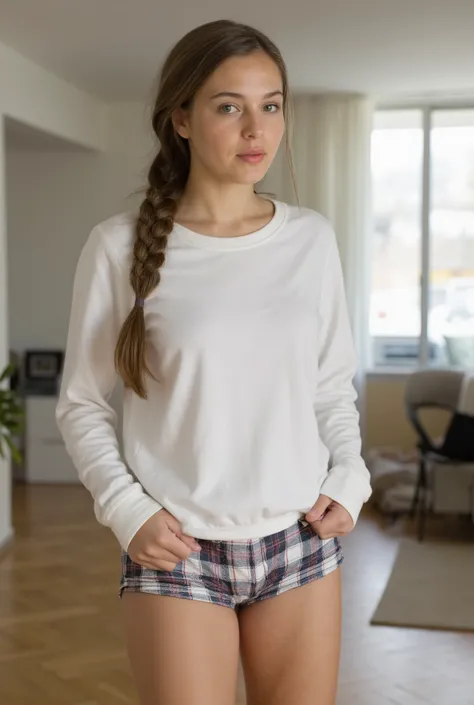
(85, 419)
(348, 480)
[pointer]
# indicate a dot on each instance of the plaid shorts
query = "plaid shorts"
(234, 573)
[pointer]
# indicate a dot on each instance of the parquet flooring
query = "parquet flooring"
(60, 632)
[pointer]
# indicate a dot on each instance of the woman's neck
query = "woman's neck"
(224, 209)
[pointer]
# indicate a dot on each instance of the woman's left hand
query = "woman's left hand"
(329, 518)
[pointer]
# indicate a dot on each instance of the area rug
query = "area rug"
(431, 587)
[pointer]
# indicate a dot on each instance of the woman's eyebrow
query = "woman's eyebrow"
(229, 94)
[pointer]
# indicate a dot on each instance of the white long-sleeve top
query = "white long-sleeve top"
(254, 415)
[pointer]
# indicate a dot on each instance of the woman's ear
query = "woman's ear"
(179, 119)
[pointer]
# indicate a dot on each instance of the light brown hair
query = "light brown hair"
(189, 64)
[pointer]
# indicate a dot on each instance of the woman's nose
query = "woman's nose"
(253, 127)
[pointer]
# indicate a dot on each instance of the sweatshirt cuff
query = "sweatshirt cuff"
(129, 517)
(349, 486)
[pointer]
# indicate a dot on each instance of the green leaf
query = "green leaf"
(16, 428)
(7, 372)
(12, 415)
(16, 455)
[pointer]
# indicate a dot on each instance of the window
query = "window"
(422, 294)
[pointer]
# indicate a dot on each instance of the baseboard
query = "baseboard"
(5, 541)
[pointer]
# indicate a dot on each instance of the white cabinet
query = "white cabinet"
(453, 488)
(46, 459)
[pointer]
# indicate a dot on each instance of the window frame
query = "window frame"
(426, 111)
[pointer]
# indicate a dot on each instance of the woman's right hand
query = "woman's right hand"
(160, 544)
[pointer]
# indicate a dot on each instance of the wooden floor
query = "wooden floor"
(60, 635)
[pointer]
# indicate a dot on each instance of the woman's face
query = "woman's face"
(236, 123)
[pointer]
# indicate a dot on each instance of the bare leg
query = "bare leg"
(291, 645)
(181, 651)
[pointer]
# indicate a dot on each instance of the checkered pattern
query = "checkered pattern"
(233, 573)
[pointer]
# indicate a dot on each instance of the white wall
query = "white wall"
(67, 194)
(32, 96)
(5, 472)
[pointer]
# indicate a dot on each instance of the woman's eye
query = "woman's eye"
(272, 108)
(227, 109)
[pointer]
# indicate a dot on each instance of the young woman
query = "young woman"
(223, 312)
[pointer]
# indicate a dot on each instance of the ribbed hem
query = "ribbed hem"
(349, 487)
(129, 518)
(239, 532)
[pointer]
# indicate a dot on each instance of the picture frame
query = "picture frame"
(43, 364)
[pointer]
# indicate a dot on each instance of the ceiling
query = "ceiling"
(113, 48)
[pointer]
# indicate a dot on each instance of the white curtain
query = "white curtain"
(331, 150)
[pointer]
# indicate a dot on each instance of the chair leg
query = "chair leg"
(422, 517)
(423, 498)
(416, 496)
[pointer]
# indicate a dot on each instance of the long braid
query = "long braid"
(154, 224)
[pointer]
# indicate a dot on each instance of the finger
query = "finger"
(332, 525)
(339, 519)
(317, 511)
(160, 554)
(322, 531)
(175, 528)
(320, 506)
(150, 556)
(174, 545)
(190, 542)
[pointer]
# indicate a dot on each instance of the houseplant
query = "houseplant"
(11, 416)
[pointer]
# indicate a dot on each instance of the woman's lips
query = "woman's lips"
(252, 157)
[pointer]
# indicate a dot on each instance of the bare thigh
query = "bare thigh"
(290, 645)
(181, 651)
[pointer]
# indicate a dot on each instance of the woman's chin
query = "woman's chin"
(249, 175)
